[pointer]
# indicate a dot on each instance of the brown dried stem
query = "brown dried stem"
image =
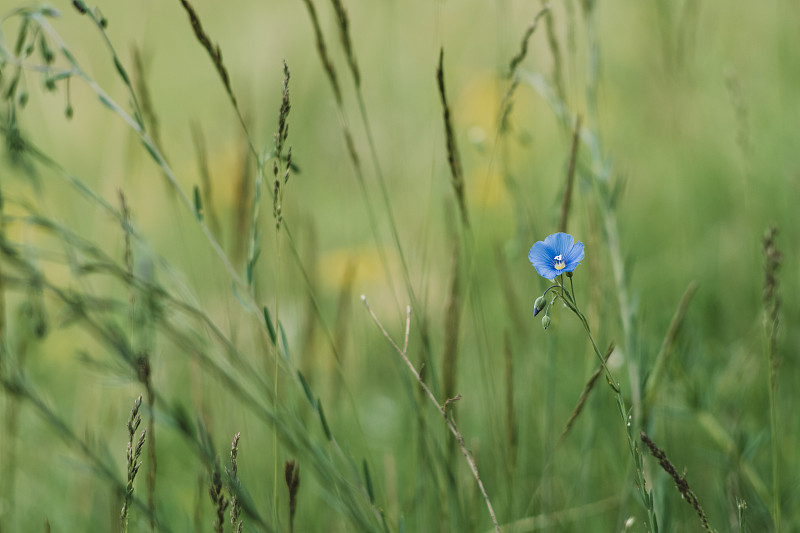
(441, 408)
(292, 475)
(680, 481)
(452, 149)
(772, 306)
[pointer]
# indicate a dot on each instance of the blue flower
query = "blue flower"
(557, 254)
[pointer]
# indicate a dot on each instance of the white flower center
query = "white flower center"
(559, 262)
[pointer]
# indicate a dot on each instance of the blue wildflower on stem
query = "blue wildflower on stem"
(558, 254)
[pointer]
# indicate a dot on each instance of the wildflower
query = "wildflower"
(556, 255)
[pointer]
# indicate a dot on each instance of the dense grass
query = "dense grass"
(147, 251)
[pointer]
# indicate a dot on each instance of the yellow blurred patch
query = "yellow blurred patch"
(485, 188)
(477, 106)
(226, 164)
(360, 266)
(477, 111)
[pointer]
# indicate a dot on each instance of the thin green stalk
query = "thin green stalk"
(572, 289)
(7, 461)
(281, 178)
(773, 431)
(625, 413)
(275, 383)
(626, 315)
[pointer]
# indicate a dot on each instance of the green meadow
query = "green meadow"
(264, 266)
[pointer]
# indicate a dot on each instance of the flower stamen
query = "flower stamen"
(559, 263)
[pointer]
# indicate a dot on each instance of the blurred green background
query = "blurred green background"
(693, 106)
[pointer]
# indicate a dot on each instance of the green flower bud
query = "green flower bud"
(538, 305)
(546, 321)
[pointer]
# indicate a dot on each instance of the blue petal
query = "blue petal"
(541, 256)
(560, 243)
(540, 253)
(573, 256)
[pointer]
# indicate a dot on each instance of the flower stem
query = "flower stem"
(572, 289)
(639, 477)
(275, 370)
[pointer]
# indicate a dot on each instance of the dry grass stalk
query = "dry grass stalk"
(323, 51)
(344, 35)
(587, 389)
(233, 476)
(662, 358)
(343, 313)
(555, 50)
(680, 481)
(739, 101)
(215, 53)
(453, 158)
(292, 475)
(280, 140)
(309, 328)
(507, 103)
(523, 49)
(573, 158)
(142, 362)
(244, 207)
(151, 448)
(283, 128)
(2, 287)
(772, 300)
(772, 306)
(218, 498)
(205, 180)
(451, 326)
(146, 103)
(134, 452)
(213, 50)
(451, 425)
(511, 426)
(127, 256)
